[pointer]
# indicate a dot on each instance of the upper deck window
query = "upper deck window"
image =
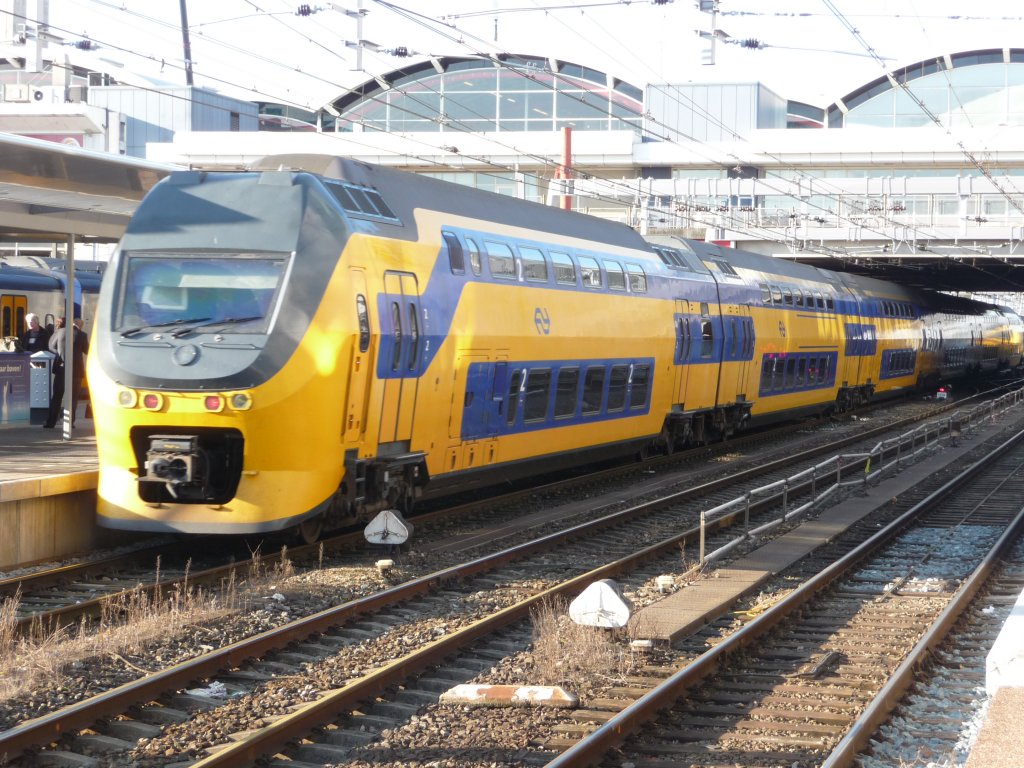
(500, 260)
(535, 268)
(590, 272)
(565, 270)
(616, 277)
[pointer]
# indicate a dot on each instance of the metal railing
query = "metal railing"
(848, 471)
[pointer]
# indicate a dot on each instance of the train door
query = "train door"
(469, 413)
(684, 342)
(361, 362)
(739, 348)
(401, 351)
(12, 314)
(857, 340)
(475, 411)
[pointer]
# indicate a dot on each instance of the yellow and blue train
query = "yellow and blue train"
(305, 344)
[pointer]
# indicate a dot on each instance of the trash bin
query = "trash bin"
(40, 385)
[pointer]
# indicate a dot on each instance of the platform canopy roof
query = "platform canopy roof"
(49, 190)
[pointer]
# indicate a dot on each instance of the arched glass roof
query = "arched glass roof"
(503, 93)
(963, 90)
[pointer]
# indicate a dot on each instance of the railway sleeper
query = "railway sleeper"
(91, 743)
(836, 718)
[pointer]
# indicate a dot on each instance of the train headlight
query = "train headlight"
(241, 401)
(127, 398)
(213, 403)
(151, 401)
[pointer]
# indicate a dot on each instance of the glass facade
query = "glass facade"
(479, 95)
(969, 90)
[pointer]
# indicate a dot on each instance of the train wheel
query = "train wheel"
(309, 530)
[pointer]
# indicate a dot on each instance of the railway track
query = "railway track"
(423, 630)
(61, 596)
(809, 680)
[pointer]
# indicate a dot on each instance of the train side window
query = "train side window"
(787, 297)
(538, 387)
(830, 304)
(637, 278)
(790, 373)
(590, 272)
(565, 392)
(396, 326)
(515, 383)
(475, 262)
(780, 367)
(801, 372)
(767, 367)
(565, 270)
(798, 297)
(663, 255)
(707, 332)
(616, 277)
(822, 370)
(500, 260)
(819, 300)
(414, 337)
(641, 386)
(617, 387)
(766, 293)
(535, 268)
(776, 294)
(593, 390)
(456, 258)
(363, 317)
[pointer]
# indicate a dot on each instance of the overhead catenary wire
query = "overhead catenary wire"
(546, 161)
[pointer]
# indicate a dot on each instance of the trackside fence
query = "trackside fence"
(811, 488)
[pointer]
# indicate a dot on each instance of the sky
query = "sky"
(807, 50)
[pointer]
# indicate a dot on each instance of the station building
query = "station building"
(916, 176)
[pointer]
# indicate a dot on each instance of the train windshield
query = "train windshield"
(225, 294)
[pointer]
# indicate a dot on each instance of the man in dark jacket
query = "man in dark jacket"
(80, 346)
(35, 338)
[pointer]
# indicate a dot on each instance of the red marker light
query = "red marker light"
(213, 403)
(151, 401)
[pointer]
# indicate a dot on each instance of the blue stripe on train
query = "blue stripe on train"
(504, 398)
(784, 373)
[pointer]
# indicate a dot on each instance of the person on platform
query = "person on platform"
(80, 346)
(35, 338)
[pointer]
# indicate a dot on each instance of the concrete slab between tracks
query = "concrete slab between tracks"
(686, 611)
(1000, 743)
(48, 495)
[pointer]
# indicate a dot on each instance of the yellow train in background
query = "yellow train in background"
(308, 342)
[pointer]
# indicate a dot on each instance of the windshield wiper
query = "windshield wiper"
(132, 331)
(223, 321)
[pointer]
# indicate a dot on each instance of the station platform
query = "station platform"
(48, 494)
(32, 452)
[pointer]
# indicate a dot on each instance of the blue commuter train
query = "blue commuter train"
(308, 342)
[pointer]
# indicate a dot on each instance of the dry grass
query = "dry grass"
(128, 625)
(570, 655)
